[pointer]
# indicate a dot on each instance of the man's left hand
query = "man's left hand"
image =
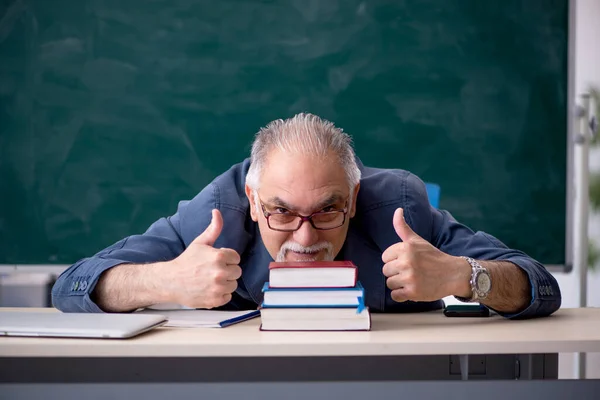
(418, 271)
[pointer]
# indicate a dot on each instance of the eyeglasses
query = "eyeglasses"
(290, 221)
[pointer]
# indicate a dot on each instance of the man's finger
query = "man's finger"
(399, 295)
(234, 272)
(228, 287)
(391, 268)
(212, 232)
(396, 282)
(402, 229)
(228, 273)
(226, 298)
(392, 252)
(231, 256)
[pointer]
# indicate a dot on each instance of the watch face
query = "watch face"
(484, 283)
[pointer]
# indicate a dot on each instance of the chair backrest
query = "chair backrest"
(433, 192)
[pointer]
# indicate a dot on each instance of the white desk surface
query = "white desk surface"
(431, 333)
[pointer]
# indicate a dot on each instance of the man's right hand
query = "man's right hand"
(202, 276)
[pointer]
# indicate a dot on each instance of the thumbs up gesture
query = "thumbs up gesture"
(418, 271)
(202, 276)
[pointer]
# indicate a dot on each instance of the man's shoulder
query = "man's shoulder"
(379, 186)
(226, 194)
(229, 187)
(381, 192)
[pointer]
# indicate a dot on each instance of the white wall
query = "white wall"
(587, 72)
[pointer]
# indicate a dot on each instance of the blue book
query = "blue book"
(314, 297)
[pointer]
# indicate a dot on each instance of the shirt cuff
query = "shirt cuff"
(72, 292)
(545, 294)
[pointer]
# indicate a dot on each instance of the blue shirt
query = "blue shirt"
(370, 232)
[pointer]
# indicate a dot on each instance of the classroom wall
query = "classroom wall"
(587, 72)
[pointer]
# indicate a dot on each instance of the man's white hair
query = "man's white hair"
(305, 134)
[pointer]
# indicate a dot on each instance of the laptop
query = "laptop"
(77, 325)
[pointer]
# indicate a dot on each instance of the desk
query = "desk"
(398, 354)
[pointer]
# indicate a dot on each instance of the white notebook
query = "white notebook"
(191, 318)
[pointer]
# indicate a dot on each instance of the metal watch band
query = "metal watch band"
(475, 267)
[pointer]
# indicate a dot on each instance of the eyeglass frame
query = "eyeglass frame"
(304, 218)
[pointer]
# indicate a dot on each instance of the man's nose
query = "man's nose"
(306, 235)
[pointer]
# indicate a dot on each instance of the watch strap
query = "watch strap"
(475, 268)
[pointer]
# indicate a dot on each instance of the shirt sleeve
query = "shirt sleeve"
(161, 242)
(456, 239)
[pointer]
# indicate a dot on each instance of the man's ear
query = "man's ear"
(250, 196)
(354, 195)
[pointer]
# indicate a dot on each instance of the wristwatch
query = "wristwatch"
(481, 281)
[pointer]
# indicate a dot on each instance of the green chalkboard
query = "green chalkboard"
(112, 111)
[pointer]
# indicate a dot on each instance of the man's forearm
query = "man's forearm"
(127, 287)
(511, 291)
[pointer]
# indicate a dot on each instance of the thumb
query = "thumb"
(401, 227)
(212, 231)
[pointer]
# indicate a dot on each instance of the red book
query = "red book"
(311, 274)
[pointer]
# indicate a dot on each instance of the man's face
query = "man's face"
(302, 184)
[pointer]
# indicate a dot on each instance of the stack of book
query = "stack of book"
(314, 296)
